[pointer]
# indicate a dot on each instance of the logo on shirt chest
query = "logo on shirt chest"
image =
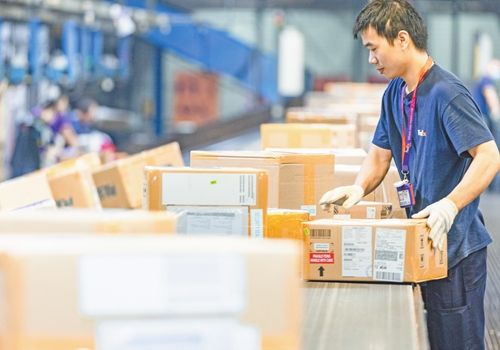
(421, 133)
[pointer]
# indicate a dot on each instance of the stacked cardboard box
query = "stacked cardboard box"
(371, 250)
(83, 291)
(296, 181)
(28, 191)
(291, 135)
(364, 210)
(231, 201)
(318, 115)
(346, 156)
(284, 223)
(119, 183)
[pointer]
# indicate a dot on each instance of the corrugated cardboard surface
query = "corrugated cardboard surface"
(88, 221)
(345, 175)
(119, 183)
(75, 188)
(39, 281)
(421, 262)
(346, 156)
(318, 115)
(308, 135)
(282, 223)
(155, 197)
(24, 191)
(90, 161)
(295, 180)
(364, 210)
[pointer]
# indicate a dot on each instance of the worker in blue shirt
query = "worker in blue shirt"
(433, 130)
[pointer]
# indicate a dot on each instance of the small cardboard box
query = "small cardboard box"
(88, 221)
(75, 188)
(215, 200)
(291, 135)
(296, 181)
(28, 191)
(364, 210)
(59, 292)
(388, 250)
(284, 223)
(119, 183)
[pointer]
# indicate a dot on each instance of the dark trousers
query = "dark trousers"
(455, 305)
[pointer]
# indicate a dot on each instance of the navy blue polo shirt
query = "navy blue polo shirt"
(447, 124)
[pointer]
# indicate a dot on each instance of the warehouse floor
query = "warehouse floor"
(489, 205)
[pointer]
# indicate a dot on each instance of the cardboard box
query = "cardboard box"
(296, 181)
(346, 156)
(59, 292)
(318, 115)
(308, 135)
(285, 223)
(119, 183)
(388, 250)
(75, 188)
(218, 189)
(28, 191)
(90, 161)
(345, 175)
(364, 210)
(88, 221)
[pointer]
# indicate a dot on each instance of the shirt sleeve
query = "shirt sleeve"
(381, 135)
(464, 125)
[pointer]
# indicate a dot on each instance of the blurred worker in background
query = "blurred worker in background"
(486, 96)
(441, 145)
(61, 123)
(37, 145)
(89, 138)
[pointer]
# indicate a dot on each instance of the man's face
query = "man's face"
(386, 58)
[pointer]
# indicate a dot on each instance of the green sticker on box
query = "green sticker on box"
(214, 182)
(306, 231)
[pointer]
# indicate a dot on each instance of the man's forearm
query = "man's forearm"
(374, 169)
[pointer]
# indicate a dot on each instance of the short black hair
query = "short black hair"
(389, 17)
(50, 103)
(84, 104)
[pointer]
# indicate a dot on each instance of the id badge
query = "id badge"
(405, 193)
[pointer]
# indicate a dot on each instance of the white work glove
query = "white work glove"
(441, 215)
(347, 196)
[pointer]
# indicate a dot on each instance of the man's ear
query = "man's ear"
(403, 40)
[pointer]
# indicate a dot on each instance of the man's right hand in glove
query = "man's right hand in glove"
(347, 196)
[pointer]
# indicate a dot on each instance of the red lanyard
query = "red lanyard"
(407, 139)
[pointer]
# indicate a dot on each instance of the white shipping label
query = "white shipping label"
(310, 208)
(257, 223)
(231, 221)
(389, 260)
(209, 189)
(371, 212)
(321, 247)
(185, 334)
(356, 251)
(162, 284)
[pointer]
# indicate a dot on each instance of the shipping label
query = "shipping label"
(389, 260)
(356, 251)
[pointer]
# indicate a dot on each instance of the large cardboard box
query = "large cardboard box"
(388, 250)
(119, 183)
(28, 191)
(212, 200)
(74, 291)
(364, 210)
(345, 175)
(296, 181)
(88, 221)
(346, 156)
(285, 223)
(291, 135)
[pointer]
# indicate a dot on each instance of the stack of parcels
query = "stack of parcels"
(142, 292)
(72, 184)
(319, 115)
(296, 181)
(119, 183)
(224, 201)
(88, 221)
(292, 135)
(388, 250)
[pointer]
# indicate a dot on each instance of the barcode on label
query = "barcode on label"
(388, 276)
(354, 249)
(386, 255)
(321, 233)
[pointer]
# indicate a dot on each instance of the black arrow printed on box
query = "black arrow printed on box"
(321, 269)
